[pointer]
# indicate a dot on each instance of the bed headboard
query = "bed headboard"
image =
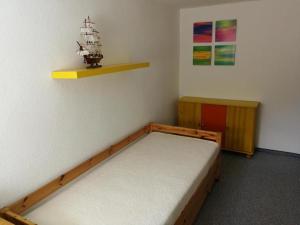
(202, 134)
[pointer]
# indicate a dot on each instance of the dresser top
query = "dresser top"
(215, 101)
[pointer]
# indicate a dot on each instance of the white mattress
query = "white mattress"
(147, 184)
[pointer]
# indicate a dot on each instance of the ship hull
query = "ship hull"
(93, 61)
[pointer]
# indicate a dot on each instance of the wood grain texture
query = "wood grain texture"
(240, 131)
(239, 135)
(218, 101)
(207, 135)
(189, 115)
(5, 222)
(13, 212)
(14, 218)
(189, 213)
(30, 200)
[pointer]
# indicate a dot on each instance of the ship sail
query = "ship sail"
(90, 37)
(90, 47)
(83, 52)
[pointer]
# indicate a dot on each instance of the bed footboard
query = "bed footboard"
(189, 213)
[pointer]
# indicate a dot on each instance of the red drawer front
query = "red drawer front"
(213, 118)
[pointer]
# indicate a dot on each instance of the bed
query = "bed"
(160, 175)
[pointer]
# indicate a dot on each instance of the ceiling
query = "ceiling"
(194, 3)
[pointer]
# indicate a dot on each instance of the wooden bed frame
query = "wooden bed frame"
(12, 214)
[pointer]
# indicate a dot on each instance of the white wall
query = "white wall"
(47, 126)
(267, 65)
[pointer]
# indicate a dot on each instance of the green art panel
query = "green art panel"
(225, 55)
(202, 55)
(226, 30)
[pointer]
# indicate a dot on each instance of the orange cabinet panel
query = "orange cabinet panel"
(213, 118)
(236, 120)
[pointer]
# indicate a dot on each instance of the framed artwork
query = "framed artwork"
(202, 55)
(226, 30)
(203, 32)
(225, 55)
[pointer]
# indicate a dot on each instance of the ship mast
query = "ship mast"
(90, 46)
(90, 38)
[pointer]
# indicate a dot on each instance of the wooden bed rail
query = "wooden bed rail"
(12, 212)
(207, 135)
(35, 197)
(8, 217)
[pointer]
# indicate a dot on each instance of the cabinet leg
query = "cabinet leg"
(249, 156)
(217, 178)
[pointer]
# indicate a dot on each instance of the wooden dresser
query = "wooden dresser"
(234, 118)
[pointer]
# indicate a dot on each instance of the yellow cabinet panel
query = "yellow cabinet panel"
(189, 115)
(240, 129)
(240, 120)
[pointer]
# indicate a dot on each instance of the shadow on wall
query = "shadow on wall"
(195, 3)
(258, 124)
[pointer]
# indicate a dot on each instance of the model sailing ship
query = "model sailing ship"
(90, 49)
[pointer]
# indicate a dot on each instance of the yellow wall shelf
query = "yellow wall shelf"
(82, 73)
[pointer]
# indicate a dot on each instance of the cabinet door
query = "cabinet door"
(189, 114)
(240, 129)
(213, 118)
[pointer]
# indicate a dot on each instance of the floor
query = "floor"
(264, 190)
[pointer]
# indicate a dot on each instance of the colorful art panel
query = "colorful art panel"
(226, 30)
(202, 55)
(203, 32)
(225, 55)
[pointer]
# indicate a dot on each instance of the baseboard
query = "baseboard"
(277, 152)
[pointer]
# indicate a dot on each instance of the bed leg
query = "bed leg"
(218, 169)
(217, 175)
